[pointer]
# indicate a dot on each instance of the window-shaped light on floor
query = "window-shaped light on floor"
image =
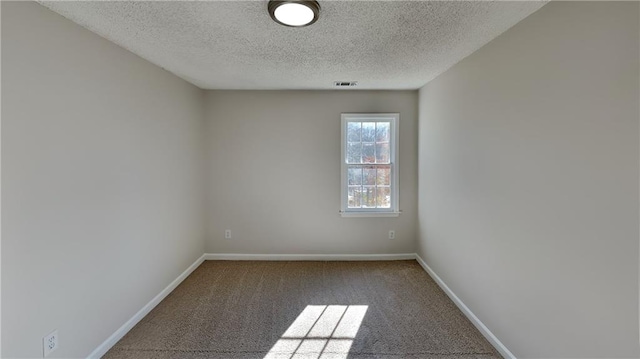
(320, 332)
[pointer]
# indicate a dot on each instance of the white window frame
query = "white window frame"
(394, 211)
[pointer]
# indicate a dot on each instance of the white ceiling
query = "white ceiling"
(236, 45)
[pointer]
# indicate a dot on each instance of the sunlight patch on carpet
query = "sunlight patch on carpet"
(320, 332)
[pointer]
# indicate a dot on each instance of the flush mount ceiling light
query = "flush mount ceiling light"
(294, 13)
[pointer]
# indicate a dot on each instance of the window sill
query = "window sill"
(369, 214)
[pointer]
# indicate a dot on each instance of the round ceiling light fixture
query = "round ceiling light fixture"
(294, 13)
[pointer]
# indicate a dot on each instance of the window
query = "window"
(369, 168)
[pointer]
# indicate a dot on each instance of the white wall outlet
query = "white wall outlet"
(50, 343)
(392, 234)
(227, 233)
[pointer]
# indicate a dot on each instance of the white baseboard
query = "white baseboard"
(308, 257)
(467, 312)
(124, 329)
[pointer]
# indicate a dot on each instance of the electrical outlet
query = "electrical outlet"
(392, 234)
(50, 343)
(227, 233)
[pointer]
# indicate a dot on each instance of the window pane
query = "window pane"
(369, 176)
(369, 197)
(368, 131)
(382, 132)
(384, 176)
(368, 153)
(355, 176)
(353, 131)
(383, 197)
(354, 152)
(355, 197)
(368, 161)
(382, 152)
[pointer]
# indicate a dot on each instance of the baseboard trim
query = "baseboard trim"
(126, 327)
(467, 312)
(308, 257)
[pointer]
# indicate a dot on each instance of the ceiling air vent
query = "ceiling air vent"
(345, 83)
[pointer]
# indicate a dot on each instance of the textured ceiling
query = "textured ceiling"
(236, 45)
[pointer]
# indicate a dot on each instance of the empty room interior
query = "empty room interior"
(301, 179)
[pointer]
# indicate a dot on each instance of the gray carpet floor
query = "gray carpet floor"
(229, 309)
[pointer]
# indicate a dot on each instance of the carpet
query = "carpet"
(296, 310)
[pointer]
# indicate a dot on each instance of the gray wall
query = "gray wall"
(529, 182)
(101, 182)
(274, 171)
